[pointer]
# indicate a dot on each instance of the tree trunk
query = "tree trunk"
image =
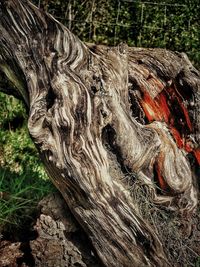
(100, 117)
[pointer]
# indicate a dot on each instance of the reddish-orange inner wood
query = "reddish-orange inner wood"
(164, 107)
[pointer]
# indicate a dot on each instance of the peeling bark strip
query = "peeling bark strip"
(88, 102)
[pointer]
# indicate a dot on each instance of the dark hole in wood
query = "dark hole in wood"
(50, 98)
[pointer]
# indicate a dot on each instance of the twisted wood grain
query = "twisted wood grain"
(81, 95)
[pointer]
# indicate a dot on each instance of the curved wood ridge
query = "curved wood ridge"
(97, 111)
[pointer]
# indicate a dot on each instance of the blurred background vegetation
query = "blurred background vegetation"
(171, 24)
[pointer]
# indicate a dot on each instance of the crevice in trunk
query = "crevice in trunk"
(109, 141)
(50, 98)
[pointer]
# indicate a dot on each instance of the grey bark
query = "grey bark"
(99, 113)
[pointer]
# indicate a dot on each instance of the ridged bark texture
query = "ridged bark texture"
(97, 113)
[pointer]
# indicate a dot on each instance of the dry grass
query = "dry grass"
(180, 238)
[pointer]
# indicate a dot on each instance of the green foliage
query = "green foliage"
(171, 24)
(17, 151)
(23, 181)
(20, 194)
(10, 108)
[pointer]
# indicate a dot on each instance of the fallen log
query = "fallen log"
(101, 116)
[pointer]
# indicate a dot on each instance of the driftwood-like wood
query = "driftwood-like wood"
(97, 114)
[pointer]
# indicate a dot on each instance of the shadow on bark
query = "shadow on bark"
(105, 119)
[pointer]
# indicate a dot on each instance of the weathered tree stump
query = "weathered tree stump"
(60, 242)
(99, 115)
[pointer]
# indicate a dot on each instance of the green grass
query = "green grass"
(23, 181)
(20, 196)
